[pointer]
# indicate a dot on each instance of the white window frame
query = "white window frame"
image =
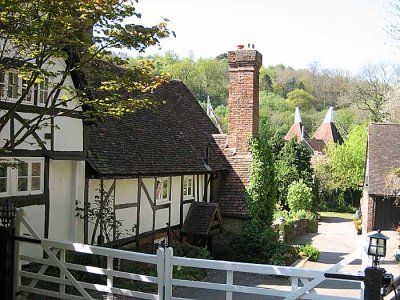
(41, 91)
(14, 177)
(186, 193)
(15, 86)
(31, 93)
(161, 199)
(3, 85)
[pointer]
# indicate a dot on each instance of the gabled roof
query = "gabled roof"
(201, 218)
(383, 155)
(327, 131)
(315, 145)
(169, 140)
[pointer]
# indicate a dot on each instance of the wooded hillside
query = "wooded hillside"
(369, 95)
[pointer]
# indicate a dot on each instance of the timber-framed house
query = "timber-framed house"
(43, 172)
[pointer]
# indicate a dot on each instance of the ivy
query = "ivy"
(261, 192)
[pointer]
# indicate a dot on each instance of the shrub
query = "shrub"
(299, 196)
(257, 243)
(310, 251)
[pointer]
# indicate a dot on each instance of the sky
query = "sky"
(345, 34)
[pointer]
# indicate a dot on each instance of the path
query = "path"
(335, 239)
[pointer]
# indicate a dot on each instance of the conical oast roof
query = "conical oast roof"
(327, 131)
(297, 130)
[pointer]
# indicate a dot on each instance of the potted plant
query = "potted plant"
(357, 220)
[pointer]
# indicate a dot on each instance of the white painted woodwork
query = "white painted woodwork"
(165, 262)
(126, 192)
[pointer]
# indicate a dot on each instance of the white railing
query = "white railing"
(53, 248)
(301, 283)
(309, 278)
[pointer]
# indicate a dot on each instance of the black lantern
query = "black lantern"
(377, 246)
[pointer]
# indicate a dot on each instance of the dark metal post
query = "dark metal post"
(373, 283)
(6, 262)
(7, 216)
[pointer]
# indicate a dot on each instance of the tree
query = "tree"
(348, 159)
(301, 98)
(299, 196)
(344, 169)
(47, 40)
(292, 164)
(374, 89)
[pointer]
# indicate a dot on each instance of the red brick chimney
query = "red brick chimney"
(244, 66)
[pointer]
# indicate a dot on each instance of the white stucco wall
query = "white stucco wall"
(126, 191)
(67, 179)
(68, 134)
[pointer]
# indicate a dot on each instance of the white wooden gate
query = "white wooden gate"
(301, 285)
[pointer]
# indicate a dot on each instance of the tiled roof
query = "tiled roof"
(168, 140)
(295, 131)
(383, 155)
(316, 145)
(201, 217)
(329, 133)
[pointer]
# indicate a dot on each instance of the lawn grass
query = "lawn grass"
(334, 214)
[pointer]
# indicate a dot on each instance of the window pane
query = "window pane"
(3, 170)
(3, 185)
(23, 169)
(165, 189)
(35, 184)
(158, 189)
(185, 186)
(28, 96)
(22, 184)
(36, 169)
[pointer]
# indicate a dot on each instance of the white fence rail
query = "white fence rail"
(301, 283)
(56, 251)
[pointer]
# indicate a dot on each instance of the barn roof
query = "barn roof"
(169, 140)
(383, 155)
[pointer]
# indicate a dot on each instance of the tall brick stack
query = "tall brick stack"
(244, 68)
(244, 65)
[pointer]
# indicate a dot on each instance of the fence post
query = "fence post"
(160, 272)
(17, 261)
(169, 252)
(229, 281)
(62, 274)
(110, 277)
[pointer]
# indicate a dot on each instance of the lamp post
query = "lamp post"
(377, 247)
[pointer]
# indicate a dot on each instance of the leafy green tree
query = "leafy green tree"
(289, 86)
(340, 176)
(348, 160)
(292, 164)
(36, 35)
(203, 77)
(301, 98)
(299, 196)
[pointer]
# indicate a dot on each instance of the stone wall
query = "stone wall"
(290, 231)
